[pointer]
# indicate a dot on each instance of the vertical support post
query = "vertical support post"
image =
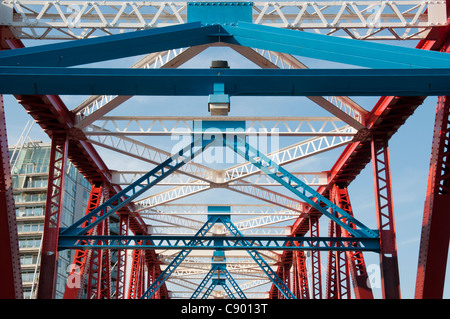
(332, 281)
(434, 243)
(300, 260)
(95, 269)
(287, 275)
(390, 279)
(99, 258)
(316, 274)
(80, 263)
(105, 266)
(53, 212)
(122, 257)
(356, 263)
(10, 273)
(134, 274)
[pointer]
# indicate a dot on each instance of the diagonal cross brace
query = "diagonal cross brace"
(138, 187)
(295, 185)
(212, 219)
(284, 289)
(213, 285)
(222, 268)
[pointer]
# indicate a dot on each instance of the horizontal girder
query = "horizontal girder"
(73, 19)
(220, 242)
(175, 125)
(188, 82)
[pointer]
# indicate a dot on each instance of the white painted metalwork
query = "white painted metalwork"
(174, 126)
(74, 19)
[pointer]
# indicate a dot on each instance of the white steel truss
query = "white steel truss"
(125, 178)
(173, 126)
(74, 19)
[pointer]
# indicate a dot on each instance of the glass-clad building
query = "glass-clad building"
(29, 168)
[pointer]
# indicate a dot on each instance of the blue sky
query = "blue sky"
(409, 153)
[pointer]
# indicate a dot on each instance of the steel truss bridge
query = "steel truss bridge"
(257, 234)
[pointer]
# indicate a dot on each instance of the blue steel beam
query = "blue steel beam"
(137, 188)
(203, 283)
(234, 284)
(238, 82)
(259, 260)
(220, 282)
(299, 188)
(188, 243)
(92, 50)
(335, 49)
(179, 258)
(210, 289)
(329, 48)
(235, 242)
(222, 269)
(228, 290)
(192, 243)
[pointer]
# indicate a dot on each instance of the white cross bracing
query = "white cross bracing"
(380, 20)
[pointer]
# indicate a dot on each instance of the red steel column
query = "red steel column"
(53, 212)
(316, 273)
(390, 279)
(356, 263)
(300, 260)
(434, 243)
(134, 274)
(10, 273)
(122, 257)
(80, 263)
(105, 266)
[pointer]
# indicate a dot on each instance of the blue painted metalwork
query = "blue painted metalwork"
(225, 13)
(203, 283)
(196, 240)
(257, 258)
(299, 188)
(335, 49)
(234, 284)
(91, 50)
(138, 187)
(215, 270)
(235, 242)
(213, 285)
(238, 82)
(178, 259)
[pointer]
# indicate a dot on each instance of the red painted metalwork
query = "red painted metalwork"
(390, 279)
(10, 273)
(302, 275)
(105, 274)
(434, 243)
(134, 274)
(316, 269)
(53, 211)
(338, 279)
(122, 257)
(99, 280)
(356, 263)
(80, 261)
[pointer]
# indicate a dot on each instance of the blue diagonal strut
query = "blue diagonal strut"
(178, 259)
(295, 185)
(222, 269)
(224, 219)
(138, 187)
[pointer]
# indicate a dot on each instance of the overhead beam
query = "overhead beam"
(238, 82)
